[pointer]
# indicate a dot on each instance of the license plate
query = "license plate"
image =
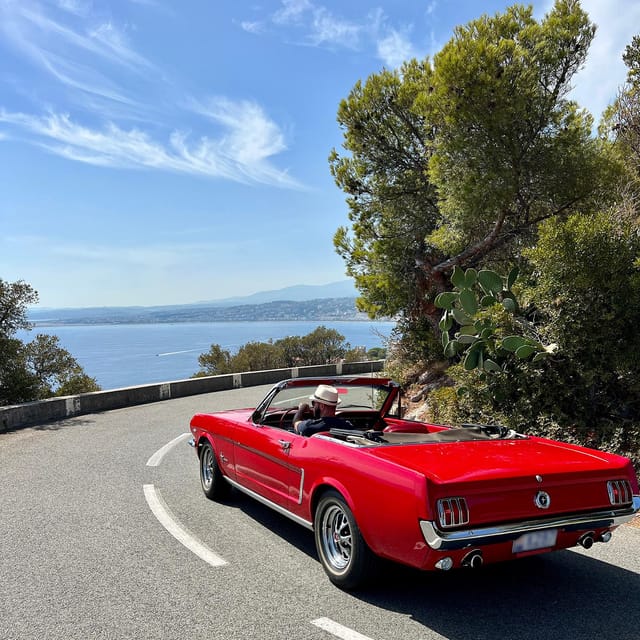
(535, 540)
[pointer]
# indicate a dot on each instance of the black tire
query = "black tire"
(344, 554)
(214, 485)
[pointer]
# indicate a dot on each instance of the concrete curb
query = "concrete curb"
(36, 413)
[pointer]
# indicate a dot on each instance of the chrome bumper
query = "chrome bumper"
(451, 540)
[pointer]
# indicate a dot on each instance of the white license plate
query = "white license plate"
(535, 540)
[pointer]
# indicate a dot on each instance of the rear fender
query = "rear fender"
(322, 486)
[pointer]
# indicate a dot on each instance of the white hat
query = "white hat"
(326, 395)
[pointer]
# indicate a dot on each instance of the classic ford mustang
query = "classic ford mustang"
(428, 496)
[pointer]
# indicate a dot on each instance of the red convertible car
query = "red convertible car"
(428, 496)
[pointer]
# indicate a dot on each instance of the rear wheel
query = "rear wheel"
(214, 485)
(344, 554)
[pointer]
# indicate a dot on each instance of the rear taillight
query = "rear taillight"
(452, 512)
(619, 492)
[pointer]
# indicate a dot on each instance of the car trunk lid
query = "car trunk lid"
(512, 479)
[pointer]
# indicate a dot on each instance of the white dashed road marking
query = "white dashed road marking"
(166, 519)
(156, 458)
(338, 630)
(184, 537)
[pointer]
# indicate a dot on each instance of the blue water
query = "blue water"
(123, 355)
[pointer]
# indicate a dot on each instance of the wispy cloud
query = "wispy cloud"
(80, 54)
(311, 24)
(395, 48)
(251, 137)
(233, 155)
(255, 27)
(292, 11)
(91, 61)
(328, 29)
(77, 7)
(152, 255)
(41, 35)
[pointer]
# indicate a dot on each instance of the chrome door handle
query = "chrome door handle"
(285, 444)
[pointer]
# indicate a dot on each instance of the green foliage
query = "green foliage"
(588, 285)
(452, 168)
(504, 125)
(585, 280)
(38, 369)
(14, 299)
(321, 346)
(392, 203)
(631, 58)
(17, 382)
(377, 353)
(456, 162)
(487, 312)
(216, 361)
(622, 123)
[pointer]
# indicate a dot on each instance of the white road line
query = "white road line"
(184, 537)
(338, 630)
(156, 458)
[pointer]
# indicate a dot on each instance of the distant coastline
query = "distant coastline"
(321, 310)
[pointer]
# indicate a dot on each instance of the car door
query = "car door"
(263, 464)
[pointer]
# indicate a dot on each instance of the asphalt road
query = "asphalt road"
(86, 551)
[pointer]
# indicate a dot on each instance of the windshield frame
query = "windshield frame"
(297, 390)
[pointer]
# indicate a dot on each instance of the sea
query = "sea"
(125, 355)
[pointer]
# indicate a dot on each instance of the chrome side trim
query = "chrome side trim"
(272, 505)
(266, 456)
(300, 492)
(451, 540)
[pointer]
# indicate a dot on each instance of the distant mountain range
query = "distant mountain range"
(334, 301)
(297, 293)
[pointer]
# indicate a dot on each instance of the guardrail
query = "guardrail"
(36, 413)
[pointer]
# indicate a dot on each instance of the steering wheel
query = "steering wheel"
(285, 413)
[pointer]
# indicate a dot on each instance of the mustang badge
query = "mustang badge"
(542, 500)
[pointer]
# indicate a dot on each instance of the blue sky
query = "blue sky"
(165, 152)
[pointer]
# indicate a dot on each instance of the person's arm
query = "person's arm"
(303, 409)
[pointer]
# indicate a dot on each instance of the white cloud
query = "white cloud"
(30, 28)
(292, 11)
(241, 153)
(77, 52)
(252, 27)
(88, 61)
(395, 48)
(321, 28)
(251, 137)
(327, 29)
(76, 7)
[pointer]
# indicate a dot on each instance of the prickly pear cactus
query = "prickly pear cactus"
(483, 307)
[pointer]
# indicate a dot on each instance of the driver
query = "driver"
(323, 406)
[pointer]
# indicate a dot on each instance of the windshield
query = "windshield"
(352, 397)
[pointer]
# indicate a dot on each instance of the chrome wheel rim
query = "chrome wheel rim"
(206, 467)
(336, 537)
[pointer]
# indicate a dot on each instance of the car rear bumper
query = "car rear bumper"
(460, 539)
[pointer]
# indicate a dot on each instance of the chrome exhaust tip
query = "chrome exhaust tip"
(444, 564)
(586, 541)
(473, 560)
